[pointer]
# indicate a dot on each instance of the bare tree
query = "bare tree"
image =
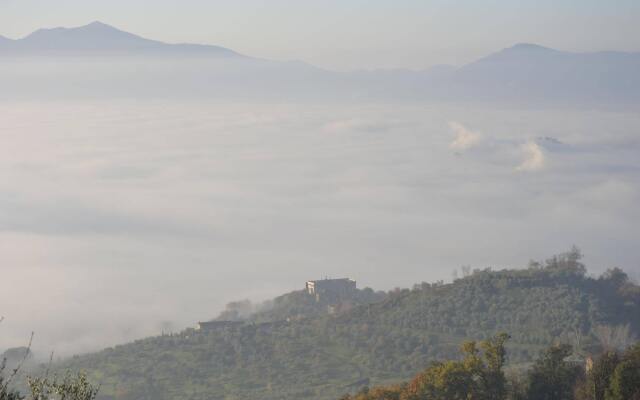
(615, 337)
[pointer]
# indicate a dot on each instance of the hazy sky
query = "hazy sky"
(350, 33)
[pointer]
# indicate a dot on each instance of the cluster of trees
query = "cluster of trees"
(613, 376)
(46, 387)
(69, 387)
(480, 376)
(385, 341)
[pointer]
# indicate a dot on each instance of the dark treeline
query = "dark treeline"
(480, 375)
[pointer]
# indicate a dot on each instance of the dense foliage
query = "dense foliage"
(477, 376)
(554, 376)
(322, 356)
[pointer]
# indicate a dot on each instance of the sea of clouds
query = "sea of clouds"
(120, 219)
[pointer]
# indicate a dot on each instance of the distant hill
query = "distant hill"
(97, 37)
(529, 71)
(323, 356)
(129, 65)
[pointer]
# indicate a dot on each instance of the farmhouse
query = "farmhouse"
(331, 290)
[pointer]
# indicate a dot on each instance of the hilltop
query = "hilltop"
(325, 355)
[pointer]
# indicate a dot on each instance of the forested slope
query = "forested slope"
(323, 357)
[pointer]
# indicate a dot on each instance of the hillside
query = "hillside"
(324, 356)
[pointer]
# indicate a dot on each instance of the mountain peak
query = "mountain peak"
(94, 36)
(519, 53)
(98, 23)
(527, 46)
(100, 37)
(95, 27)
(98, 26)
(527, 49)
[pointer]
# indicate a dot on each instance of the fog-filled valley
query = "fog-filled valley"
(158, 213)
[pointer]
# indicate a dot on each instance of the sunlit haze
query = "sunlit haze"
(268, 200)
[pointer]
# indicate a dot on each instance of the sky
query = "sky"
(350, 34)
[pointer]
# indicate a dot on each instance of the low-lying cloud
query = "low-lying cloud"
(121, 219)
(534, 158)
(465, 138)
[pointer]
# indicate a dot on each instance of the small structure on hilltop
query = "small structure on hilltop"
(331, 290)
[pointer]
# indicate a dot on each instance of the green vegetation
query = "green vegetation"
(320, 356)
(47, 387)
(476, 376)
(554, 376)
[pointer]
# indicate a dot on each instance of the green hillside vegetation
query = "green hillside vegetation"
(323, 356)
(480, 375)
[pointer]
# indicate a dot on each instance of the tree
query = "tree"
(477, 377)
(599, 376)
(493, 379)
(551, 377)
(625, 381)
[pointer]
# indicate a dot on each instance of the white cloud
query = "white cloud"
(534, 157)
(465, 137)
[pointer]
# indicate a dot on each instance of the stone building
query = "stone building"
(331, 290)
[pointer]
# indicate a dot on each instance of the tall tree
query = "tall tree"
(551, 377)
(625, 381)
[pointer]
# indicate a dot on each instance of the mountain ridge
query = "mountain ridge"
(100, 37)
(92, 29)
(523, 73)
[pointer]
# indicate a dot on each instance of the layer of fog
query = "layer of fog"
(120, 219)
(522, 74)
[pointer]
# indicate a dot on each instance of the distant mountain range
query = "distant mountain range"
(99, 37)
(522, 73)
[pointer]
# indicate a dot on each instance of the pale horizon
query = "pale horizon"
(349, 35)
